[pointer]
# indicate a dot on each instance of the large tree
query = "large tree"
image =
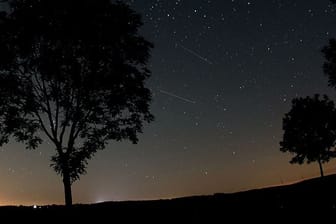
(310, 130)
(72, 72)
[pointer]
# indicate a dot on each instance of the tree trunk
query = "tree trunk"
(67, 189)
(321, 169)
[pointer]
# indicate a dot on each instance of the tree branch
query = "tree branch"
(57, 108)
(76, 119)
(49, 113)
(67, 117)
(44, 128)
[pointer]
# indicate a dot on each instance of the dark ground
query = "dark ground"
(306, 196)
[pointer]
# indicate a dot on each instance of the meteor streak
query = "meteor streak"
(176, 96)
(196, 54)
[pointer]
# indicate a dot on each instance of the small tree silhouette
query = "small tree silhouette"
(310, 130)
(72, 72)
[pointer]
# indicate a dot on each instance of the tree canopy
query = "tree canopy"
(72, 72)
(310, 130)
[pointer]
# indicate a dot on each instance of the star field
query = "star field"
(224, 73)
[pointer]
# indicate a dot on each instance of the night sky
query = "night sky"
(224, 73)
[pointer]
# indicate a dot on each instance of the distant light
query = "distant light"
(35, 206)
(100, 200)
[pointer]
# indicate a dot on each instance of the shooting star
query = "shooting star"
(177, 97)
(195, 54)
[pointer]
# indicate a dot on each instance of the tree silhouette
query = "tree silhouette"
(310, 130)
(72, 72)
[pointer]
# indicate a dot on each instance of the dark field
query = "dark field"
(308, 195)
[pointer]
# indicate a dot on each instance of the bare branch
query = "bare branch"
(57, 108)
(84, 120)
(44, 128)
(76, 119)
(49, 112)
(67, 117)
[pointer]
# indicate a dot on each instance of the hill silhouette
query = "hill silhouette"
(309, 194)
